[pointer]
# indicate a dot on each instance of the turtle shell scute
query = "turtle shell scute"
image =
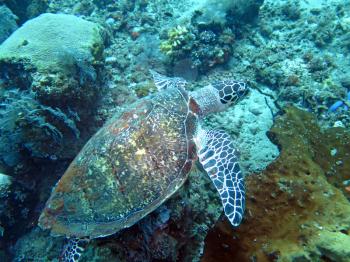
(133, 164)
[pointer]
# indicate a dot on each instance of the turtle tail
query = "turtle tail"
(73, 249)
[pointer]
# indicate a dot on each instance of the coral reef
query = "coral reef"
(44, 45)
(43, 248)
(207, 31)
(294, 211)
(49, 74)
(297, 52)
(343, 103)
(17, 205)
(179, 40)
(5, 183)
(207, 45)
(218, 11)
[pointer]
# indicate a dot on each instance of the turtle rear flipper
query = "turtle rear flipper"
(73, 249)
(219, 159)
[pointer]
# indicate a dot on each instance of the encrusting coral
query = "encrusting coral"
(294, 212)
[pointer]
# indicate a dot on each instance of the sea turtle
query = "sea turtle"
(140, 157)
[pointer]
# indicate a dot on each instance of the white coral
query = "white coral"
(216, 10)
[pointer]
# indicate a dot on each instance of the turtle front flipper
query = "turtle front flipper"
(220, 160)
(73, 249)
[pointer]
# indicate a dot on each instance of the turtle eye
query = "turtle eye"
(230, 91)
(242, 89)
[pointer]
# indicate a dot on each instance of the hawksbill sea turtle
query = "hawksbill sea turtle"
(140, 158)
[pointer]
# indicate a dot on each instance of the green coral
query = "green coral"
(57, 56)
(50, 43)
(334, 245)
(178, 38)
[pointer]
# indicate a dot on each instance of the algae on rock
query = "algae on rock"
(292, 209)
(334, 245)
(50, 76)
(53, 43)
(217, 10)
(60, 53)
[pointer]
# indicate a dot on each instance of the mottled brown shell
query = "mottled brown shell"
(126, 170)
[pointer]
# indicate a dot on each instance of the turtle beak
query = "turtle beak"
(242, 90)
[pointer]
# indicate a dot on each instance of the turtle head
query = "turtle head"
(219, 95)
(230, 91)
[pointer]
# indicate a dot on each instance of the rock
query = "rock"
(37, 245)
(55, 56)
(217, 10)
(345, 81)
(7, 23)
(294, 211)
(249, 122)
(26, 9)
(334, 245)
(53, 43)
(50, 73)
(5, 183)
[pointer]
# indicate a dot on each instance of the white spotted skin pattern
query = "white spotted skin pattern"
(219, 158)
(230, 91)
(218, 96)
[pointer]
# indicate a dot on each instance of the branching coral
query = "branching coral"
(179, 40)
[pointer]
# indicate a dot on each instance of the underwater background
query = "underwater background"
(67, 66)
